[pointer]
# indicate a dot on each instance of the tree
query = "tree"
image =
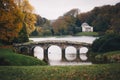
(115, 20)
(29, 22)
(66, 24)
(74, 12)
(29, 17)
(40, 21)
(101, 23)
(59, 26)
(22, 37)
(10, 20)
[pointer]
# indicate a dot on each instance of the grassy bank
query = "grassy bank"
(78, 34)
(8, 57)
(87, 34)
(108, 57)
(91, 72)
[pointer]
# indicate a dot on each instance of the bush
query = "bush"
(110, 42)
(113, 57)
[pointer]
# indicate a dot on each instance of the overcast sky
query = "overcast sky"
(52, 9)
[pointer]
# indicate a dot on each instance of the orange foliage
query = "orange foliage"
(10, 20)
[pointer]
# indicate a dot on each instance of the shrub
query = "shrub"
(106, 43)
(113, 57)
(109, 57)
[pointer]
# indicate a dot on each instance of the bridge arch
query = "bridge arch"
(70, 53)
(24, 50)
(38, 52)
(54, 50)
(83, 50)
(83, 53)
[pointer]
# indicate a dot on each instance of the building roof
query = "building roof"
(85, 25)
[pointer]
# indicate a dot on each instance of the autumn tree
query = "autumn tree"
(67, 24)
(29, 18)
(10, 20)
(59, 26)
(28, 21)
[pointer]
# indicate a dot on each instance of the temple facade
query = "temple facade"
(86, 28)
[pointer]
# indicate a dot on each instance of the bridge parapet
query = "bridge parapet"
(54, 42)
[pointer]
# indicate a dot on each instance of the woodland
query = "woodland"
(18, 21)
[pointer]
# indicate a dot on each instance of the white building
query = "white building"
(86, 27)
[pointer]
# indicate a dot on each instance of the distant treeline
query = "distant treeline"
(105, 19)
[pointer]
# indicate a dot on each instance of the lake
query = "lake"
(54, 52)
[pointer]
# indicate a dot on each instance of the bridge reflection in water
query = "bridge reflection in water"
(56, 52)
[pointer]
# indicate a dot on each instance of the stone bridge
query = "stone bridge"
(28, 48)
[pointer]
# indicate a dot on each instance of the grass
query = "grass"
(109, 57)
(91, 72)
(112, 53)
(87, 34)
(8, 57)
(78, 34)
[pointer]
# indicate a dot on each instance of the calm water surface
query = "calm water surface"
(54, 51)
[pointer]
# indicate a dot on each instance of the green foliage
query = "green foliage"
(23, 37)
(42, 27)
(34, 33)
(109, 57)
(109, 42)
(8, 57)
(112, 57)
(68, 24)
(29, 19)
(87, 34)
(46, 33)
(92, 72)
(100, 59)
(105, 18)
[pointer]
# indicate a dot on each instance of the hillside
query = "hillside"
(9, 58)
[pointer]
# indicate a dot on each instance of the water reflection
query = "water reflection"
(83, 57)
(83, 53)
(70, 53)
(38, 52)
(54, 53)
